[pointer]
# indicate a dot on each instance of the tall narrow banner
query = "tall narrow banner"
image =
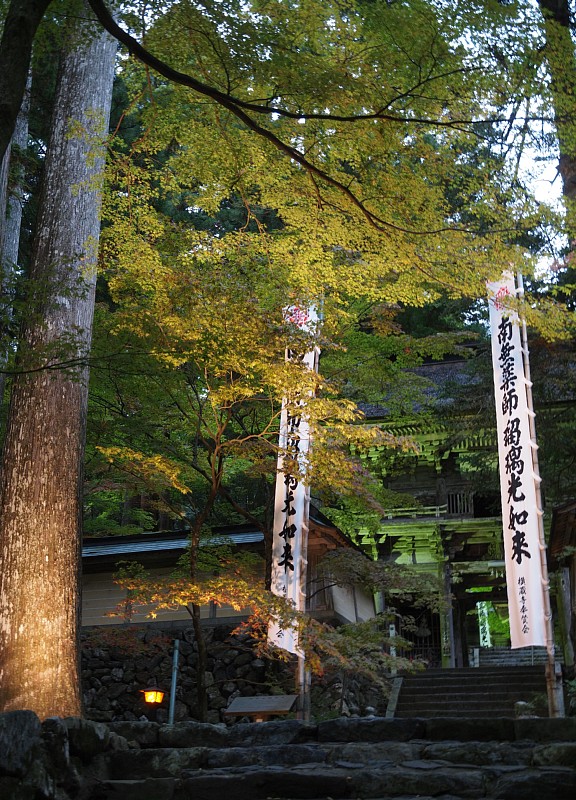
(518, 479)
(292, 499)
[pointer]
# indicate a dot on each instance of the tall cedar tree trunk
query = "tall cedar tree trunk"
(561, 57)
(20, 24)
(40, 488)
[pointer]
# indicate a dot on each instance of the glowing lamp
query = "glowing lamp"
(153, 695)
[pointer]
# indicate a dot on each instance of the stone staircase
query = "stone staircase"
(505, 657)
(398, 759)
(472, 693)
(343, 758)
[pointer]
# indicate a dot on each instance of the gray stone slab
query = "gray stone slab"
(282, 731)
(560, 754)
(480, 753)
(546, 730)
(193, 734)
(260, 784)
(559, 784)
(373, 753)
(281, 755)
(143, 733)
(398, 781)
(374, 729)
(499, 729)
(148, 789)
(155, 763)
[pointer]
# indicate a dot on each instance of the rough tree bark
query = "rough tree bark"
(40, 487)
(20, 26)
(561, 57)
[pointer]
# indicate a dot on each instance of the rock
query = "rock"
(243, 659)
(376, 752)
(180, 711)
(258, 784)
(20, 740)
(15, 789)
(546, 730)
(438, 781)
(277, 732)
(56, 742)
(155, 763)
(193, 734)
(115, 690)
(96, 715)
(470, 730)
(559, 754)
(374, 729)
(480, 753)
(118, 743)
(86, 737)
(149, 789)
(143, 734)
(536, 784)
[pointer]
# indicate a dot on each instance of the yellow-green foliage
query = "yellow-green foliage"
(392, 206)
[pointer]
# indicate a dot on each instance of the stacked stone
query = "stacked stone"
(118, 665)
(119, 662)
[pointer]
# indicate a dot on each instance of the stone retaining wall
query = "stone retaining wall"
(119, 662)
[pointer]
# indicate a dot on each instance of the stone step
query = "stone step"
(380, 780)
(168, 763)
(369, 759)
(360, 758)
(477, 692)
(450, 713)
(478, 673)
(145, 735)
(488, 703)
(505, 656)
(480, 688)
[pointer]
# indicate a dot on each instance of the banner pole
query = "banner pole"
(303, 681)
(553, 671)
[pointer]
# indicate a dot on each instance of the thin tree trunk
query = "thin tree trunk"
(202, 664)
(4, 167)
(15, 200)
(40, 488)
(11, 204)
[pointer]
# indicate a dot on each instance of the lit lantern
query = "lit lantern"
(153, 695)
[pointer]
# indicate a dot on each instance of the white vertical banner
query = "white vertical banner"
(292, 498)
(484, 624)
(518, 479)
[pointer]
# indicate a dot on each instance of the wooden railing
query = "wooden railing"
(419, 511)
